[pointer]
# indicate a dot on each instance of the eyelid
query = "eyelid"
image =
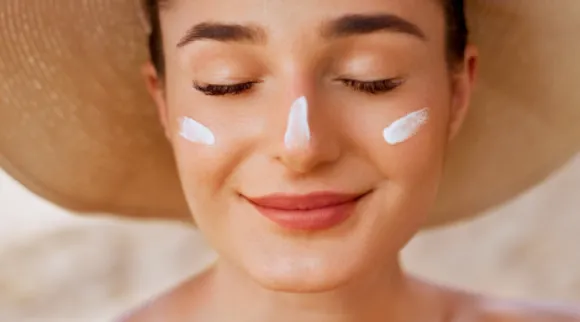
(224, 89)
(228, 82)
(395, 81)
(370, 80)
(378, 86)
(375, 87)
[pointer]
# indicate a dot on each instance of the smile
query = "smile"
(313, 211)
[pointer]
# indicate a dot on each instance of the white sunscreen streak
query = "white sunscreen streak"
(405, 127)
(298, 131)
(195, 132)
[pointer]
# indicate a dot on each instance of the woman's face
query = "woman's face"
(315, 92)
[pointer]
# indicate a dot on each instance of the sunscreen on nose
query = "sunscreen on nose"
(298, 130)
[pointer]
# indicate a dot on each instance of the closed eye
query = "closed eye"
(222, 90)
(373, 87)
(369, 87)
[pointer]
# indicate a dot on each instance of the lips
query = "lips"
(303, 202)
(314, 211)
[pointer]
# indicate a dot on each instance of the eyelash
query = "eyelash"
(222, 90)
(370, 87)
(373, 87)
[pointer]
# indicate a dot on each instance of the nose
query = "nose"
(309, 140)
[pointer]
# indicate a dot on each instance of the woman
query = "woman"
(309, 138)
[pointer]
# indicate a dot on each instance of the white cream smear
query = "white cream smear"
(406, 127)
(195, 132)
(298, 130)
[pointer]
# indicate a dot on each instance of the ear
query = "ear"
(156, 90)
(463, 83)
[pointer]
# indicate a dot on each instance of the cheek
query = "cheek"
(416, 157)
(206, 165)
(416, 163)
(203, 174)
(410, 173)
(414, 168)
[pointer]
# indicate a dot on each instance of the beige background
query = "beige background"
(58, 268)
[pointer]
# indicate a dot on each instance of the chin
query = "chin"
(304, 275)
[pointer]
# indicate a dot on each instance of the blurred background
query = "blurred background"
(55, 267)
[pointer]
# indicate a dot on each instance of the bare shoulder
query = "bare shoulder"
(494, 310)
(157, 309)
(175, 305)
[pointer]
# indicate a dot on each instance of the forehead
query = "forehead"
(284, 16)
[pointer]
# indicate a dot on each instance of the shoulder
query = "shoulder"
(494, 310)
(157, 309)
(182, 301)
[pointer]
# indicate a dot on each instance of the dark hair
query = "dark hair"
(456, 38)
(155, 38)
(457, 32)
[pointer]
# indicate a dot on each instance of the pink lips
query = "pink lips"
(314, 211)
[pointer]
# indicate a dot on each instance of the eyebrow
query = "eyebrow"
(349, 25)
(223, 32)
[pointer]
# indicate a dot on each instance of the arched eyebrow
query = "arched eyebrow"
(351, 25)
(344, 26)
(223, 32)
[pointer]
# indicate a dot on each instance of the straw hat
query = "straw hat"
(78, 128)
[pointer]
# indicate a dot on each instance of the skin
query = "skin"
(350, 272)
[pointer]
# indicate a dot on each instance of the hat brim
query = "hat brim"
(69, 138)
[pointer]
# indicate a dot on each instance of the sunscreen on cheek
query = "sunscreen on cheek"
(195, 132)
(406, 127)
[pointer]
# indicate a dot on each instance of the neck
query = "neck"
(384, 294)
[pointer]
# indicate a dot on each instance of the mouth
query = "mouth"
(313, 211)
